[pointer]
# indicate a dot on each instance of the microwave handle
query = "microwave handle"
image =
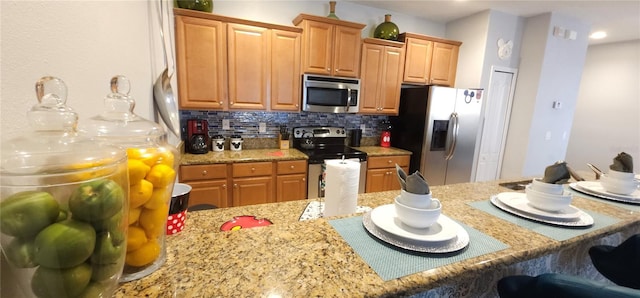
(348, 100)
(325, 85)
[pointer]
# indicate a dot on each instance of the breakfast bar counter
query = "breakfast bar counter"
(310, 258)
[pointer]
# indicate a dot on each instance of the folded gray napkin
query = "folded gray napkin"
(414, 183)
(622, 163)
(556, 173)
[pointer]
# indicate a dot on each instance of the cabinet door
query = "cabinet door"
(201, 63)
(285, 71)
(317, 47)
(346, 51)
(251, 191)
(418, 63)
(212, 192)
(291, 187)
(370, 77)
(444, 64)
(391, 80)
(378, 179)
(249, 53)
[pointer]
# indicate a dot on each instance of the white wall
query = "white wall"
(85, 43)
(607, 115)
(550, 71)
(473, 31)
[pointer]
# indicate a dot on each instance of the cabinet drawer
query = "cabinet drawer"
(377, 162)
(292, 167)
(203, 172)
(252, 169)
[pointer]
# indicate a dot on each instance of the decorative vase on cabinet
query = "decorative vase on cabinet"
(332, 10)
(387, 30)
(201, 5)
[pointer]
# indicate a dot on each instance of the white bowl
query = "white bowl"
(419, 218)
(618, 186)
(546, 201)
(414, 200)
(620, 175)
(550, 188)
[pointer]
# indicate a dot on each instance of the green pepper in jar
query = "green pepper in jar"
(20, 252)
(65, 244)
(70, 282)
(26, 213)
(109, 249)
(96, 200)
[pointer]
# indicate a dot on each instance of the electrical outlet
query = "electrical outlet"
(262, 127)
(363, 127)
(225, 124)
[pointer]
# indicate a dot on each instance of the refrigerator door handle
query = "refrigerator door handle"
(453, 134)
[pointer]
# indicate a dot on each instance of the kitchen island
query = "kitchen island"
(293, 258)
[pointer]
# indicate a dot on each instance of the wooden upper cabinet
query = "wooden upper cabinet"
(430, 60)
(227, 63)
(381, 76)
(285, 70)
(201, 63)
(444, 64)
(330, 47)
(249, 52)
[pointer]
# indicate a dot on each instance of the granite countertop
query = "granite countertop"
(254, 155)
(293, 258)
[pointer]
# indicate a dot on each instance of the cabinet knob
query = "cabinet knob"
(297, 106)
(253, 169)
(304, 179)
(389, 161)
(328, 69)
(224, 186)
(204, 173)
(220, 102)
(231, 102)
(235, 185)
(293, 167)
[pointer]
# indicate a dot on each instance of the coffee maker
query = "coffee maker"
(198, 136)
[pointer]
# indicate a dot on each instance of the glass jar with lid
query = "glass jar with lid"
(63, 204)
(152, 165)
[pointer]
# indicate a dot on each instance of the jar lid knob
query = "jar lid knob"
(118, 100)
(51, 113)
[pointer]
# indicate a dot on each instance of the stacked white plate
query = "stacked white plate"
(442, 237)
(517, 203)
(595, 188)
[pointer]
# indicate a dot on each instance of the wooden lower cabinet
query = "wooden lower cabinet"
(248, 183)
(253, 190)
(208, 183)
(291, 183)
(381, 172)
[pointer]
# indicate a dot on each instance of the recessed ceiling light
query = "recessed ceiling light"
(598, 35)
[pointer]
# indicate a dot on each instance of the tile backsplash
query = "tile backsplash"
(247, 123)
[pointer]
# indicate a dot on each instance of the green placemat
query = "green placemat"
(554, 232)
(391, 262)
(622, 205)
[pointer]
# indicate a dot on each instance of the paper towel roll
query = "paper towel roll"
(341, 188)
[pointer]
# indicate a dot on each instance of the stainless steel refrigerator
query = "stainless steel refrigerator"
(439, 125)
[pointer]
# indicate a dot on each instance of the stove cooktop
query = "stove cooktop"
(328, 143)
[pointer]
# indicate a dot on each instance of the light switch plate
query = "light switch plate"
(262, 127)
(225, 124)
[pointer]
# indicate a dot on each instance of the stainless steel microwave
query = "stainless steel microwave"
(330, 94)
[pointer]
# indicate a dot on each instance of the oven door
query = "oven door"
(315, 179)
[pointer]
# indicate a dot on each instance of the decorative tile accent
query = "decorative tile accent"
(246, 123)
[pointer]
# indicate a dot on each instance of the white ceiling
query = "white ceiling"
(620, 19)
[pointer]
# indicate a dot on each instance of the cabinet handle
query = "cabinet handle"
(204, 173)
(297, 106)
(304, 179)
(253, 169)
(224, 186)
(328, 69)
(390, 161)
(293, 167)
(220, 102)
(235, 185)
(231, 102)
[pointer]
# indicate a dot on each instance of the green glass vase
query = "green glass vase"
(387, 30)
(332, 10)
(201, 5)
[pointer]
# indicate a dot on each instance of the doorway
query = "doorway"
(495, 123)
